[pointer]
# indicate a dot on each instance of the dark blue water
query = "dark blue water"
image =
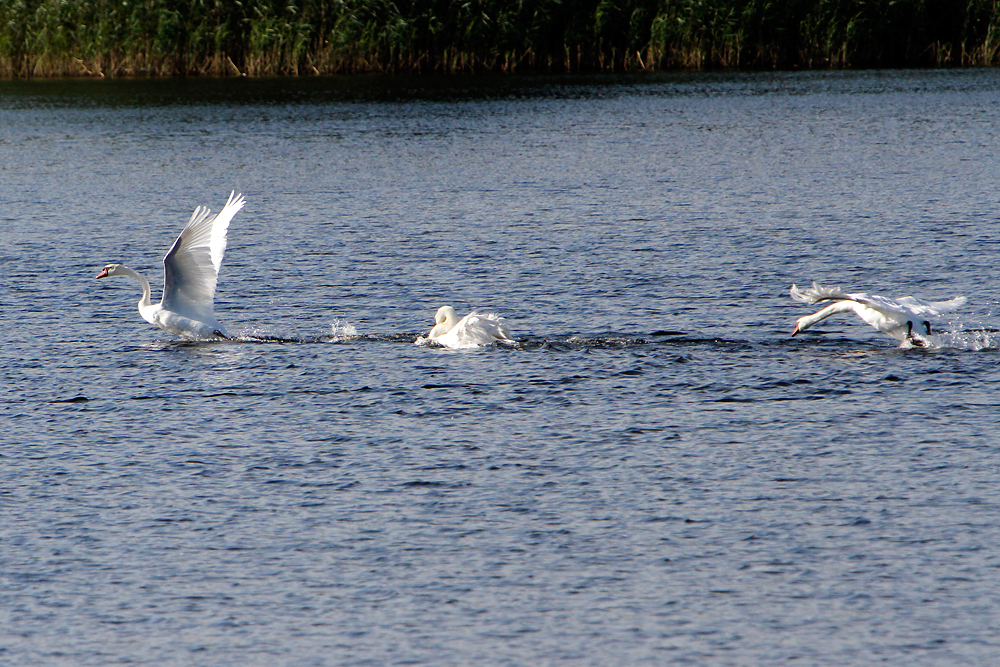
(658, 474)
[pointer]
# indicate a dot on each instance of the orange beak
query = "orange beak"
(103, 273)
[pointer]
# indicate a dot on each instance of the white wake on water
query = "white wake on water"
(972, 340)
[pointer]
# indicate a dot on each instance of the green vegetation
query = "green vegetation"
(270, 37)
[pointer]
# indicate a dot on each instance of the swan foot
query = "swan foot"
(221, 335)
(915, 341)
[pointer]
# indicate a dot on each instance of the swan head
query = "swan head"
(110, 270)
(802, 324)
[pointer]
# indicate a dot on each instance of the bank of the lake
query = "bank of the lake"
(105, 38)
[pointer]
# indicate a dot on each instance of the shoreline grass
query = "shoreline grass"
(157, 38)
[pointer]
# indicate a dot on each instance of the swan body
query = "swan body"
(473, 330)
(906, 320)
(190, 273)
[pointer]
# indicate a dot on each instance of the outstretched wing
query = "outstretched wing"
(932, 308)
(818, 293)
(191, 267)
(906, 305)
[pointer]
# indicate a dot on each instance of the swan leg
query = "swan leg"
(915, 341)
(221, 335)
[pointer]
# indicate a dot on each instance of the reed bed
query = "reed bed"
(310, 37)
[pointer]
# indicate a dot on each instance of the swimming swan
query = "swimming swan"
(895, 318)
(190, 272)
(473, 330)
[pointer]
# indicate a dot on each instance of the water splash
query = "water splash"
(973, 340)
(341, 331)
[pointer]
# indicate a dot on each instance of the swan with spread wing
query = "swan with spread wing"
(190, 272)
(907, 319)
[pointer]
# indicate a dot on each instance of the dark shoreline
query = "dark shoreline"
(161, 38)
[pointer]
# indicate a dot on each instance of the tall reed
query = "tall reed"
(271, 37)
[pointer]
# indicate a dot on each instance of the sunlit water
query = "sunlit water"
(657, 474)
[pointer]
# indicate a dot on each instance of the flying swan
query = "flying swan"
(906, 320)
(190, 271)
(473, 330)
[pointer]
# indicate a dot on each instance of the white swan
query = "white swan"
(906, 320)
(190, 272)
(473, 330)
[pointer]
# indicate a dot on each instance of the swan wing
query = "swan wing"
(879, 303)
(482, 329)
(191, 267)
(907, 305)
(818, 293)
(931, 308)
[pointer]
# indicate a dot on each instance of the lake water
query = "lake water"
(658, 474)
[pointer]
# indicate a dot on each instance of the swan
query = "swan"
(190, 271)
(895, 318)
(473, 330)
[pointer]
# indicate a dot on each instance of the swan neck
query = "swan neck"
(145, 302)
(448, 321)
(834, 308)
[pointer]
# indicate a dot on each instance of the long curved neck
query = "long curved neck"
(145, 302)
(441, 328)
(834, 308)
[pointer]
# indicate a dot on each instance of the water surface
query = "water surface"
(659, 474)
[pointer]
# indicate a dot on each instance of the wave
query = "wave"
(342, 332)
